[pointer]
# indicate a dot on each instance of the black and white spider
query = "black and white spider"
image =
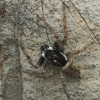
(53, 54)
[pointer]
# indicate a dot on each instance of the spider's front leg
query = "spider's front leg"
(24, 51)
(52, 31)
(42, 57)
(42, 60)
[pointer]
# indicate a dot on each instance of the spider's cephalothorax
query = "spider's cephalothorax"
(52, 55)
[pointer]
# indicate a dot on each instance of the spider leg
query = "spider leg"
(42, 58)
(24, 51)
(63, 82)
(51, 71)
(32, 72)
(52, 31)
(41, 61)
(82, 49)
(93, 36)
(36, 73)
(64, 25)
(44, 70)
(92, 33)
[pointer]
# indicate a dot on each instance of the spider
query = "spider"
(55, 55)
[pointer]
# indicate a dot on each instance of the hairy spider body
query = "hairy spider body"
(54, 56)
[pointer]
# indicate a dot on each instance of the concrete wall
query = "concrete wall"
(22, 15)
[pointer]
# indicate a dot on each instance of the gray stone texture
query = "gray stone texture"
(22, 15)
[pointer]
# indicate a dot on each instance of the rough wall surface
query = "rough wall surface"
(16, 16)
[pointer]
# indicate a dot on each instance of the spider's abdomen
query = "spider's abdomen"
(56, 58)
(60, 59)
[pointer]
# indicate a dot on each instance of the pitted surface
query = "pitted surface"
(22, 15)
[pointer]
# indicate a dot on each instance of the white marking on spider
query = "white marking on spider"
(64, 56)
(55, 60)
(43, 54)
(50, 48)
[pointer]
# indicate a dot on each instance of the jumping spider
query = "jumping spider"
(55, 55)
